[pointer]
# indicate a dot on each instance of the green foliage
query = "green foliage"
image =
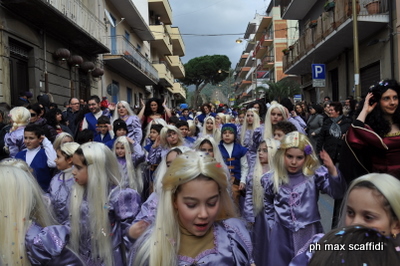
(282, 89)
(203, 70)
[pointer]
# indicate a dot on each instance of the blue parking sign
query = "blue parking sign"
(318, 71)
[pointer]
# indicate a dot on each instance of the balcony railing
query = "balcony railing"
(327, 23)
(121, 46)
(81, 15)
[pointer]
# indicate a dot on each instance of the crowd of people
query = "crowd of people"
(100, 183)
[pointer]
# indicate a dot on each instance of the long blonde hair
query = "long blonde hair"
(216, 134)
(164, 133)
(162, 245)
(20, 116)
(103, 173)
(268, 131)
(258, 190)
(245, 126)
(300, 141)
(130, 178)
(21, 203)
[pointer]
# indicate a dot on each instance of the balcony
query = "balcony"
(177, 68)
(264, 23)
(268, 62)
(296, 9)
(244, 84)
(165, 76)
(331, 36)
(178, 90)
(67, 20)
(178, 47)
(130, 63)
(129, 11)
(162, 40)
(243, 59)
(244, 71)
(163, 9)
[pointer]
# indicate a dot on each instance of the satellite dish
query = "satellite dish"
(112, 89)
(109, 17)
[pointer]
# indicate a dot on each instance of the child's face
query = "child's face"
(153, 134)
(103, 128)
(185, 113)
(209, 125)
(120, 150)
(241, 118)
(218, 120)
(184, 130)
(294, 160)
(263, 153)
(80, 170)
(276, 116)
(61, 162)
(197, 205)
(207, 148)
(228, 136)
(170, 157)
(121, 132)
(172, 138)
(365, 207)
(249, 118)
(32, 141)
(279, 134)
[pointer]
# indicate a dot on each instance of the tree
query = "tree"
(282, 89)
(203, 70)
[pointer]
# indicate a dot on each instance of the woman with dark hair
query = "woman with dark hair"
(154, 108)
(298, 108)
(314, 123)
(260, 107)
(332, 132)
(205, 111)
(56, 120)
(36, 118)
(375, 133)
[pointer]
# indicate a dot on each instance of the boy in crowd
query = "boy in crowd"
(185, 115)
(119, 129)
(155, 130)
(104, 130)
(281, 128)
(183, 127)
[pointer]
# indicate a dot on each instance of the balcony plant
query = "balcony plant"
(329, 6)
(313, 23)
(372, 6)
(285, 51)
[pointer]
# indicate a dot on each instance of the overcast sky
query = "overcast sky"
(228, 18)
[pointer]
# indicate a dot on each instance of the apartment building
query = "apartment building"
(76, 48)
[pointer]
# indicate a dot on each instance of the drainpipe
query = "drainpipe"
(46, 78)
(391, 41)
(356, 52)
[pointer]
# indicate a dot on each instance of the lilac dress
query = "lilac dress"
(232, 246)
(134, 128)
(292, 213)
(15, 141)
(252, 151)
(59, 194)
(124, 204)
(148, 210)
(48, 246)
(304, 255)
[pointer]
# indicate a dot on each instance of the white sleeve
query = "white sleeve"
(84, 124)
(50, 153)
(244, 166)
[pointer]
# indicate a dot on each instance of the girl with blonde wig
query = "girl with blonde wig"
(210, 128)
(291, 195)
(100, 209)
(62, 138)
(27, 233)
(14, 139)
(129, 154)
(194, 222)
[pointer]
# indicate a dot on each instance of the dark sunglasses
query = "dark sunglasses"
(33, 114)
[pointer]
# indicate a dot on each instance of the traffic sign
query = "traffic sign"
(318, 71)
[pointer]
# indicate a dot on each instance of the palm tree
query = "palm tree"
(282, 89)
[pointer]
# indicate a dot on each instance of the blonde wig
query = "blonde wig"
(127, 107)
(246, 126)
(162, 245)
(300, 141)
(216, 133)
(223, 118)
(17, 163)
(21, 203)
(268, 131)
(164, 134)
(103, 173)
(129, 176)
(61, 138)
(68, 149)
(258, 190)
(19, 116)
(192, 128)
(211, 141)
(385, 185)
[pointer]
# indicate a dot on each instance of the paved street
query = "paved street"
(325, 205)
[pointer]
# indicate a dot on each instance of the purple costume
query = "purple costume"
(137, 157)
(148, 210)
(123, 206)
(252, 151)
(134, 128)
(48, 246)
(292, 212)
(15, 141)
(232, 246)
(304, 255)
(59, 194)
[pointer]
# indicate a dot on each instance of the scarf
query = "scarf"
(335, 130)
